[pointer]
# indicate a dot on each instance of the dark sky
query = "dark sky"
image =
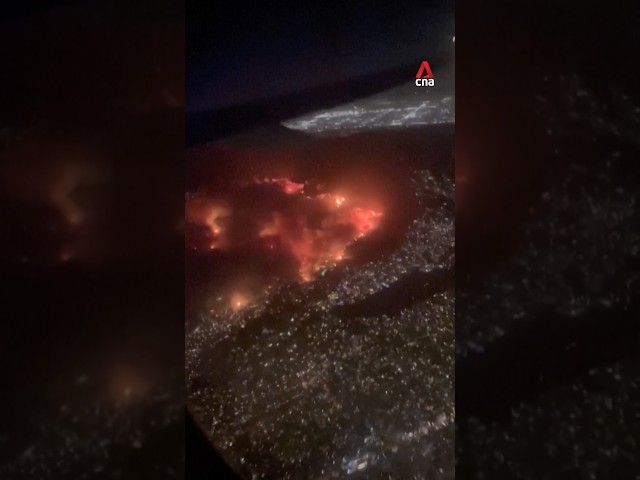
(266, 49)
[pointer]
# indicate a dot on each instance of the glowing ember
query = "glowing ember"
(238, 301)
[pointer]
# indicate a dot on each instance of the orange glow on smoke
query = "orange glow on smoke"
(285, 184)
(315, 229)
(315, 248)
(210, 215)
(238, 300)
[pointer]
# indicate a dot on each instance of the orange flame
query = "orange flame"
(317, 231)
(315, 248)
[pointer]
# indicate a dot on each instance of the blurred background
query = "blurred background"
(547, 237)
(91, 262)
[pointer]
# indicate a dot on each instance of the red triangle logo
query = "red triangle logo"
(424, 71)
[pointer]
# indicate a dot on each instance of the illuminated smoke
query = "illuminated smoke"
(316, 246)
(210, 215)
(277, 216)
(285, 184)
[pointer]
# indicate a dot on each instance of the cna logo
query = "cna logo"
(424, 77)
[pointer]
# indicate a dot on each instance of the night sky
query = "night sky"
(265, 50)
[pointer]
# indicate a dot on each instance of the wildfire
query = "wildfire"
(314, 229)
(315, 246)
